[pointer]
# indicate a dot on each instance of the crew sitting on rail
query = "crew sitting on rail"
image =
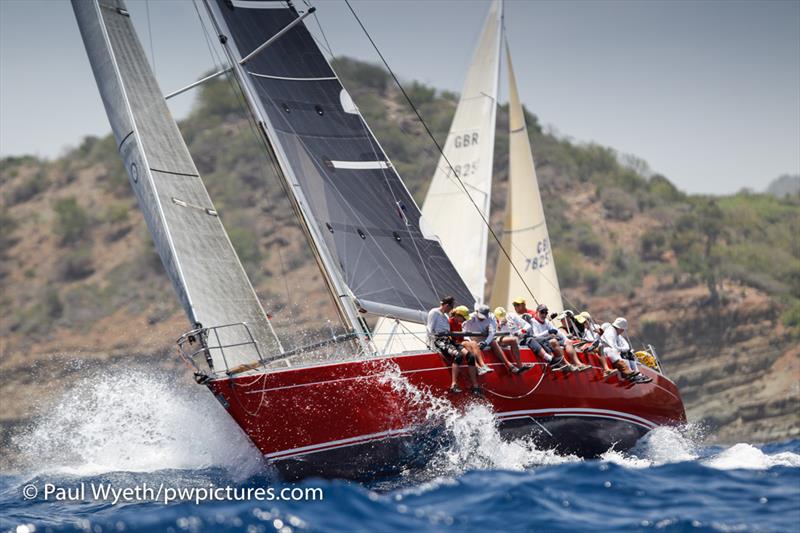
(481, 323)
(457, 317)
(516, 328)
(618, 351)
(454, 353)
(545, 332)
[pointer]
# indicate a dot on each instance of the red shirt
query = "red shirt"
(455, 325)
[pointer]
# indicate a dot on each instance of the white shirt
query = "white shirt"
(541, 330)
(515, 324)
(614, 343)
(486, 326)
(437, 323)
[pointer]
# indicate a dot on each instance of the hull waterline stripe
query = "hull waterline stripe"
(559, 412)
(339, 443)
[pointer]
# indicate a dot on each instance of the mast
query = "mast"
(344, 300)
(525, 235)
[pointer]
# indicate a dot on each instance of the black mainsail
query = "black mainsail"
(360, 216)
(191, 241)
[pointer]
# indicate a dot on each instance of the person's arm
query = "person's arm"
(492, 331)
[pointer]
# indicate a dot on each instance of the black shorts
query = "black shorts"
(531, 343)
(452, 352)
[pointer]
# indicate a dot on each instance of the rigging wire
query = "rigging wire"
(441, 151)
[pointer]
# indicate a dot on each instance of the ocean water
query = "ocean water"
(133, 451)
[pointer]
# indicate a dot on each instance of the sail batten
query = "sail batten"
(192, 244)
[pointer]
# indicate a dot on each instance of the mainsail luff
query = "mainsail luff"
(525, 236)
(189, 237)
(360, 213)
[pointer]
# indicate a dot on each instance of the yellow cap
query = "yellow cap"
(500, 312)
(461, 310)
(519, 300)
(583, 317)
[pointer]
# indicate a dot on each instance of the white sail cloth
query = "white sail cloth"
(525, 236)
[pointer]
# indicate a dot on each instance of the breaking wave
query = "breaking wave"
(137, 421)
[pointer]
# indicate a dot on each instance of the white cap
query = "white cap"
(620, 323)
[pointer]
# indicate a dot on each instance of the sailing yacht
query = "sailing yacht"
(361, 411)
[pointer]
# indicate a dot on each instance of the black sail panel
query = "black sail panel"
(367, 217)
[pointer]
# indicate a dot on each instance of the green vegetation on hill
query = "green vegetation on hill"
(646, 225)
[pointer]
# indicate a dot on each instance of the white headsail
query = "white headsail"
(447, 210)
(525, 236)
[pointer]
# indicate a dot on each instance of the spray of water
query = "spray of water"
(747, 456)
(472, 440)
(136, 420)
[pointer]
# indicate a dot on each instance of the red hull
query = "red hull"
(315, 420)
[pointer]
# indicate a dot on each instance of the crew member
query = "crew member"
(482, 324)
(457, 317)
(545, 332)
(616, 348)
(455, 354)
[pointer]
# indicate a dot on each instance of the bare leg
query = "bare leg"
(454, 376)
(500, 354)
(511, 342)
(573, 356)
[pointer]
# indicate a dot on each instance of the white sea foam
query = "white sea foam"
(472, 439)
(748, 457)
(138, 421)
(666, 445)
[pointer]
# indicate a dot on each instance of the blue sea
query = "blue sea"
(140, 452)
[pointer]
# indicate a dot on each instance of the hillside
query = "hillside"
(712, 282)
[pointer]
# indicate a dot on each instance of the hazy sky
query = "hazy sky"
(707, 92)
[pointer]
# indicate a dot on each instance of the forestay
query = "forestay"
(525, 236)
(188, 234)
(361, 213)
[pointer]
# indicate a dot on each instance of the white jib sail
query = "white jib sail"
(525, 236)
(447, 210)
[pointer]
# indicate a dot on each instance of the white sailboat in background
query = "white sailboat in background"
(457, 205)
